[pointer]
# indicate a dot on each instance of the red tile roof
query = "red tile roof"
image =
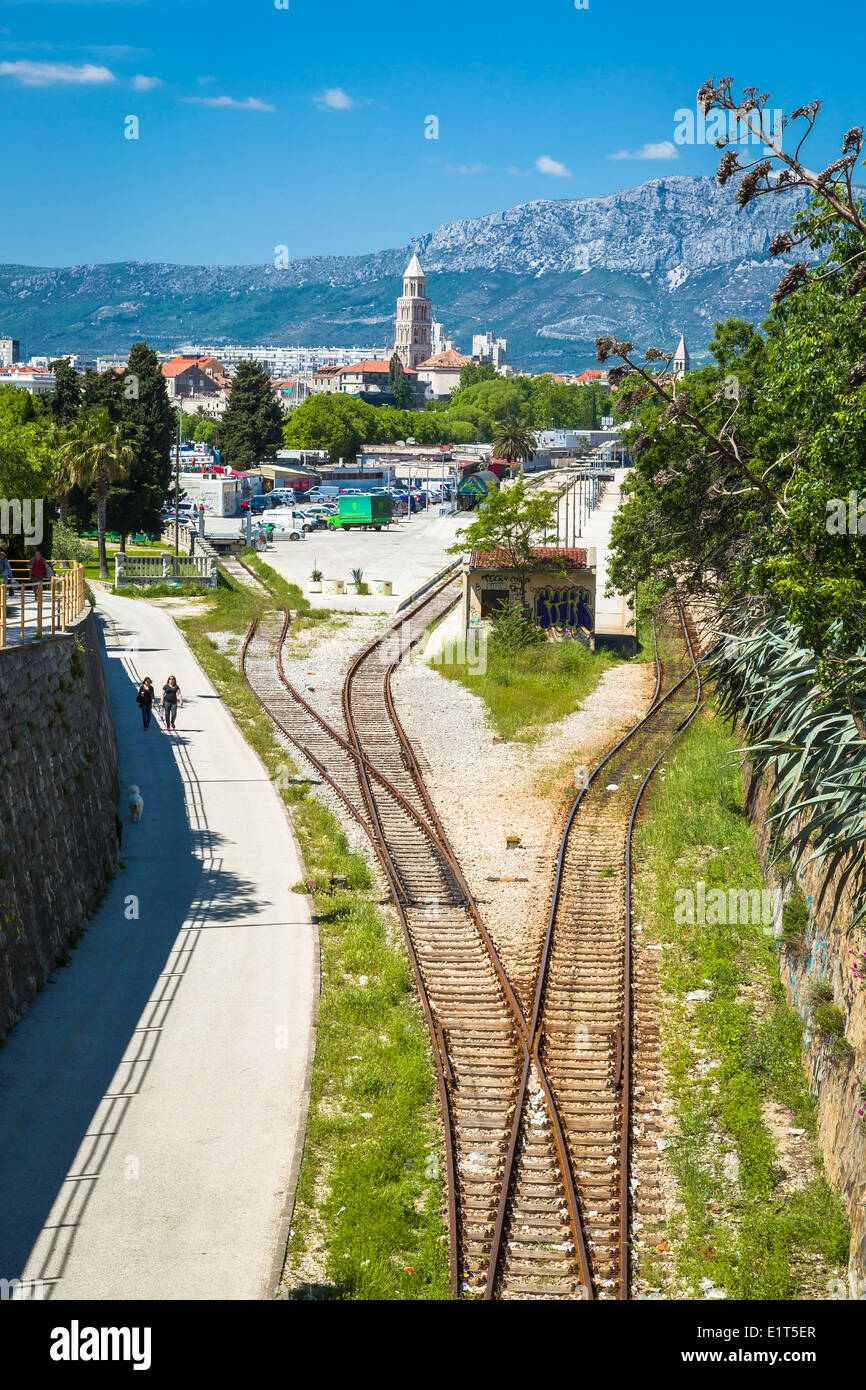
(371, 367)
(178, 365)
(444, 360)
(568, 556)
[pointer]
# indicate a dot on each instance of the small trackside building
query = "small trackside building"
(560, 589)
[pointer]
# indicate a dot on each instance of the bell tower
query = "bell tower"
(414, 317)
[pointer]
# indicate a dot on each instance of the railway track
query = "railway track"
(536, 1109)
(476, 1028)
(581, 1029)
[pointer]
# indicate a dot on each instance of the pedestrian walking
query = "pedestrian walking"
(171, 698)
(145, 698)
(41, 569)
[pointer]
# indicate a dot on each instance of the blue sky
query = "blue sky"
(304, 126)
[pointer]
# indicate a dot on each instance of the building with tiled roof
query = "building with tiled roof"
(558, 588)
(440, 375)
(369, 375)
(185, 377)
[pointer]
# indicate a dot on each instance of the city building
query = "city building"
(36, 380)
(440, 375)
(185, 377)
(487, 348)
(112, 364)
(439, 343)
(10, 351)
(414, 342)
(292, 391)
(283, 361)
(357, 378)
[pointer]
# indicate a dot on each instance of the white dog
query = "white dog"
(136, 804)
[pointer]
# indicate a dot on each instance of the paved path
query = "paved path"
(152, 1100)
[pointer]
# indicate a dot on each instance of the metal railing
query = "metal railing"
(34, 608)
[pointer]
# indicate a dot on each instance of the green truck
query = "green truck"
(367, 511)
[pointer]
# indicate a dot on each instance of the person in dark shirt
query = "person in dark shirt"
(145, 698)
(171, 698)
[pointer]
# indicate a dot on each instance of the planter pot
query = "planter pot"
(382, 586)
(351, 588)
(335, 586)
(315, 586)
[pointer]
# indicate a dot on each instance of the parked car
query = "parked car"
(281, 496)
(186, 512)
(257, 505)
(280, 528)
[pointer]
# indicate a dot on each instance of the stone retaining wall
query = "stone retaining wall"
(58, 796)
(828, 951)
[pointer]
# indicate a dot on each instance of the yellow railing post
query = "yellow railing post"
(53, 606)
(38, 610)
(3, 593)
(23, 593)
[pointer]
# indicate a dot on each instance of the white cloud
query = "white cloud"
(663, 149)
(140, 83)
(204, 81)
(334, 99)
(251, 103)
(545, 165)
(56, 74)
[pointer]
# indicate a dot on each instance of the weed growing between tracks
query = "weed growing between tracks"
(525, 690)
(368, 1218)
(731, 1055)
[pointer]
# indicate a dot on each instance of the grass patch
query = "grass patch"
(368, 1220)
(730, 1053)
(525, 690)
(91, 565)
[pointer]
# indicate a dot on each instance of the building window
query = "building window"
(491, 602)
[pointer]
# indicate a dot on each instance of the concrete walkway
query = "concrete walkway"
(152, 1101)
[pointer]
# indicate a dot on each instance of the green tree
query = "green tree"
(512, 519)
(471, 373)
(64, 402)
(98, 453)
(744, 469)
(513, 442)
(25, 461)
(399, 384)
(338, 423)
(148, 422)
(252, 426)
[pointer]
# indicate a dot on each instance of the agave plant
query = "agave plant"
(809, 741)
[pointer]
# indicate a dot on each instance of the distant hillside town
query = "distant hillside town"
(200, 375)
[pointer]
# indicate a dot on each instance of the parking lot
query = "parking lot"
(407, 552)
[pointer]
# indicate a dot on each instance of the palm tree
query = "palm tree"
(514, 442)
(97, 455)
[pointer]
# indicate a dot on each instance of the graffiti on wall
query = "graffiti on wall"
(566, 610)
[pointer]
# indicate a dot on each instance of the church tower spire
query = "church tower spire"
(414, 317)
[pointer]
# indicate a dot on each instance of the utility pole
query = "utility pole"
(177, 474)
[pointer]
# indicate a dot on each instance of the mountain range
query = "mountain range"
(670, 256)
